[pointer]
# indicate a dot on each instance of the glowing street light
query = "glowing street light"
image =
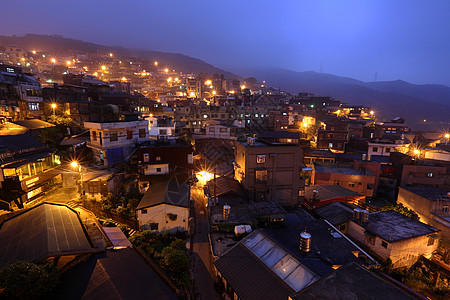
(243, 87)
(208, 82)
(214, 93)
(166, 70)
(372, 112)
(103, 68)
(156, 63)
(110, 55)
(416, 152)
(68, 63)
(76, 165)
(53, 60)
(34, 51)
(447, 136)
(53, 107)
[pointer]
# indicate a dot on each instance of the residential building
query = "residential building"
(431, 204)
(165, 206)
(28, 167)
(160, 127)
(424, 175)
(395, 127)
(361, 181)
(114, 142)
(98, 183)
(332, 135)
(391, 235)
(270, 171)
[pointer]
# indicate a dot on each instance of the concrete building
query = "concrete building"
(391, 235)
(270, 171)
(160, 127)
(113, 142)
(431, 204)
(361, 181)
(332, 135)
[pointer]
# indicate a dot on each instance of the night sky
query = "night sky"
(398, 39)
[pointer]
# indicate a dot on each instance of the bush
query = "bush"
(174, 260)
(25, 280)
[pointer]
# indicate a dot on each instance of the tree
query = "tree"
(174, 260)
(26, 280)
(401, 209)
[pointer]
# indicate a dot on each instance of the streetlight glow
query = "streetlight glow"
(103, 68)
(53, 60)
(156, 63)
(74, 164)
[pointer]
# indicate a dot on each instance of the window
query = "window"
(158, 170)
(384, 244)
(388, 150)
(154, 226)
(129, 134)
(337, 182)
(261, 175)
(113, 136)
(142, 133)
(330, 145)
(301, 193)
(430, 174)
(351, 184)
(144, 211)
(223, 130)
(260, 159)
(430, 241)
(33, 106)
(158, 158)
(94, 135)
(172, 217)
(370, 239)
(212, 129)
(375, 149)
(163, 131)
(445, 209)
(342, 227)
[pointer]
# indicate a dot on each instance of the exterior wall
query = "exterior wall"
(357, 183)
(403, 253)
(120, 128)
(159, 214)
(429, 212)
(282, 163)
(381, 149)
(180, 156)
(157, 169)
(423, 175)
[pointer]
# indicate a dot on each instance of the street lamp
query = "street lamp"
(447, 137)
(76, 165)
(53, 108)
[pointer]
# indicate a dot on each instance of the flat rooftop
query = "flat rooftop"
(427, 192)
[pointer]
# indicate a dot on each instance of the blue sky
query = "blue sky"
(398, 39)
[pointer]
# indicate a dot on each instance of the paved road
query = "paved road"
(202, 262)
(67, 194)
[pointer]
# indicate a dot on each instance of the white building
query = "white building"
(114, 142)
(165, 206)
(160, 126)
(384, 148)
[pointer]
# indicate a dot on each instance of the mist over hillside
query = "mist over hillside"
(415, 103)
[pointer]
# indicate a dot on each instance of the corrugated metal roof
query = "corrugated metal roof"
(44, 231)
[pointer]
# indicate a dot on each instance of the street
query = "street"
(201, 258)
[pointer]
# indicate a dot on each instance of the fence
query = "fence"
(96, 208)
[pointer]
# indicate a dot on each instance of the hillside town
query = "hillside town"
(127, 179)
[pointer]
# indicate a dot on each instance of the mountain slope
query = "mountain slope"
(60, 45)
(389, 99)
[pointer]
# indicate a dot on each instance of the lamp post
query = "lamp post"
(447, 138)
(76, 165)
(53, 108)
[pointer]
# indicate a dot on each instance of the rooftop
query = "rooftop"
(43, 231)
(329, 248)
(271, 271)
(114, 274)
(427, 192)
(327, 192)
(166, 191)
(336, 169)
(336, 213)
(393, 226)
(352, 282)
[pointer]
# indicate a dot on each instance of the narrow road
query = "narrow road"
(201, 258)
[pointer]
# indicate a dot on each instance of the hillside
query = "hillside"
(61, 45)
(394, 98)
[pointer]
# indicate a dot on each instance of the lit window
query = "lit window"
(158, 158)
(260, 159)
(146, 157)
(337, 182)
(430, 174)
(351, 184)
